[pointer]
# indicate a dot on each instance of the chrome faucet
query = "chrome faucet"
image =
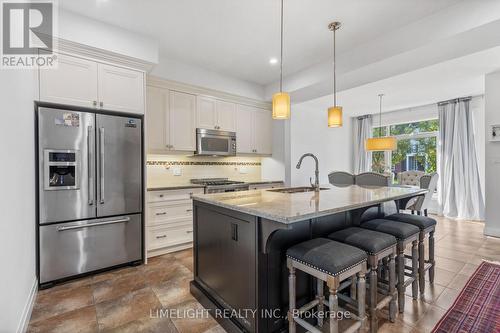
(316, 171)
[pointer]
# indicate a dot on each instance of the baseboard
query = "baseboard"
(489, 231)
(28, 308)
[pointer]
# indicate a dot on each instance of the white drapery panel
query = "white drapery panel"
(362, 131)
(460, 195)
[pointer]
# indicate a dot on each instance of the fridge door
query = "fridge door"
(119, 165)
(68, 249)
(66, 141)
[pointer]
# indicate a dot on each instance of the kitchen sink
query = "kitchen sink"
(296, 189)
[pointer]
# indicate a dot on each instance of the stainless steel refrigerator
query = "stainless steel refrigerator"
(90, 188)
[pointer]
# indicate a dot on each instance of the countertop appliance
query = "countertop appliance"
(90, 188)
(215, 143)
(218, 185)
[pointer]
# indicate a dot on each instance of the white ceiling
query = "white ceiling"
(451, 79)
(238, 37)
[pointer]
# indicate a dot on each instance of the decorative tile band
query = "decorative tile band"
(168, 163)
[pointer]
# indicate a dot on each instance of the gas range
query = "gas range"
(218, 185)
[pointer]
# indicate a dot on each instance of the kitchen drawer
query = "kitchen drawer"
(164, 236)
(171, 195)
(163, 212)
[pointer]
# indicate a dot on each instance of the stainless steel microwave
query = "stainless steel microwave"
(215, 143)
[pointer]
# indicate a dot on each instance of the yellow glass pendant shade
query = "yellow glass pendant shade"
(281, 105)
(381, 144)
(335, 116)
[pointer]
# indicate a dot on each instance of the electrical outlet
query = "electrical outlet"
(177, 171)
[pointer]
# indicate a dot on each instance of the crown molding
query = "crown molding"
(67, 46)
(158, 82)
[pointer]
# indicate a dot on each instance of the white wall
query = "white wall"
(87, 31)
(178, 71)
(492, 152)
(17, 197)
(309, 133)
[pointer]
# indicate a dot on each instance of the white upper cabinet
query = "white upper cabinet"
(182, 121)
(215, 114)
(226, 116)
(120, 89)
(83, 82)
(157, 120)
(73, 82)
(263, 136)
(206, 115)
(253, 130)
(244, 129)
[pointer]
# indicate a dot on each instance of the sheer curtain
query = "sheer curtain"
(460, 195)
(362, 131)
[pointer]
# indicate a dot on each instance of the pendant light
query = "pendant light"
(334, 112)
(381, 143)
(281, 100)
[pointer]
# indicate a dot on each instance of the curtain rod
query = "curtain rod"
(455, 100)
(364, 117)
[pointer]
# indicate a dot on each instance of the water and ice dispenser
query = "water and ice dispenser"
(61, 169)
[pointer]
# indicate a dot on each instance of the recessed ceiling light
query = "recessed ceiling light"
(273, 61)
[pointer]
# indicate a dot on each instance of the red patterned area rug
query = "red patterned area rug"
(477, 308)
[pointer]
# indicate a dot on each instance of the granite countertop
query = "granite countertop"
(289, 208)
(174, 187)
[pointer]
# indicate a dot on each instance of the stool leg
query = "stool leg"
(431, 257)
(392, 288)
(334, 308)
(291, 300)
(401, 277)
(353, 287)
(415, 267)
(320, 297)
(361, 298)
(421, 262)
(373, 300)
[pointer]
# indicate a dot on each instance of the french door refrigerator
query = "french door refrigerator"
(90, 188)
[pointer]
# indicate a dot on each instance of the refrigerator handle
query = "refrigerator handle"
(90, 164)
(101, 158)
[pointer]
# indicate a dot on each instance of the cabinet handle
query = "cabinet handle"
(234, 232)
(101, 104)
(94, 103)
(189, 231)
(161, 195)
(164, 213)
(189, 210)
(162, 236)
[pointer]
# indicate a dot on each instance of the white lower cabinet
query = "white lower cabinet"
(169, 220)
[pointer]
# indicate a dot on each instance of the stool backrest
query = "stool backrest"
(341, 178)
(372, 179)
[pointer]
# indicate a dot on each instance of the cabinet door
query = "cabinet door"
(263, 136)
(74, 82)
(206, 115)
(157, 120)
(121, 89)
(182, 121)
(226, 116)
(244, 129)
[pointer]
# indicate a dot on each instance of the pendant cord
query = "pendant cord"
(281, 51)
(380, 116)
(334, 72)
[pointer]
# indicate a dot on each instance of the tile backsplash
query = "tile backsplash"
(164, 170)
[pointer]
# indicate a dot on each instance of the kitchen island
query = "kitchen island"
(240, 241)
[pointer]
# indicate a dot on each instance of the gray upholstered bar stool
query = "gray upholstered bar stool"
(405, 234)
(341, 178)
(331, 262)
(427, 226)
(377, 246)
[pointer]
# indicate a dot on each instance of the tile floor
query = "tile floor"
(120, 300)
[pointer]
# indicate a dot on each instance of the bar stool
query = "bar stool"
(331, 262)
(427, 226)
(405, 234)
(377, 246)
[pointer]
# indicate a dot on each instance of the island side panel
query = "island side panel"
(225, 259)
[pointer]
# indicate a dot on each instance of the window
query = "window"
(417, 147)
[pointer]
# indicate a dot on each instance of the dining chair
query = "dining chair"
(341, 178)
(410, 177)
(372, 179)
